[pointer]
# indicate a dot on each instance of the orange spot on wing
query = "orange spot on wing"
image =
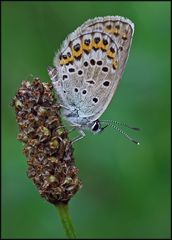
(70, 59)
(66, 61)
(104, 47)
(101, 44)
(111, 54)
(77, 53)
(96, 45)
(124, 36)
(116, 31)
(63, 61)
(113, 30)
(115, 64)
(86, 47)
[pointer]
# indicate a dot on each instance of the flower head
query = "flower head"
(47, 147)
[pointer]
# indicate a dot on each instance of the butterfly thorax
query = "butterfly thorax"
(81, 122)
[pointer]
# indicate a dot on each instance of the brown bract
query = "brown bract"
(48, 150)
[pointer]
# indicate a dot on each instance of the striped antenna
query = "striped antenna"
(121, 124)
(109, 123)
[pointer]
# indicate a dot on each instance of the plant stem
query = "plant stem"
(66, 220)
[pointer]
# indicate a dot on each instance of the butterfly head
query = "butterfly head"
(96, 127)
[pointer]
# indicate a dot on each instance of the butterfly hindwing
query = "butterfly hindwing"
(90, 64)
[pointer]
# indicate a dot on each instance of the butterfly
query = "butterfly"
(87, 70)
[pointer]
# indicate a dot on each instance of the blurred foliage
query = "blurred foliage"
(126, 192)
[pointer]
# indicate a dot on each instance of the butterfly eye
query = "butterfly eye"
(96, 127)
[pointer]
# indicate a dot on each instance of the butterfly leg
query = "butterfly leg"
(82, 135)
(63, 106)
(70, 130)
(53, 74)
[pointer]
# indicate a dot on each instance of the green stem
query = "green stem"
(66, 220)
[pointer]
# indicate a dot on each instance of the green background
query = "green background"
(126, 188)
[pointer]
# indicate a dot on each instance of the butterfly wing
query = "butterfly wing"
(90, 64)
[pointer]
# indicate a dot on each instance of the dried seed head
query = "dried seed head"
(47, 147)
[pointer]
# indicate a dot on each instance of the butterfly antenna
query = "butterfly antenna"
(121, 124)
(122, 132)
